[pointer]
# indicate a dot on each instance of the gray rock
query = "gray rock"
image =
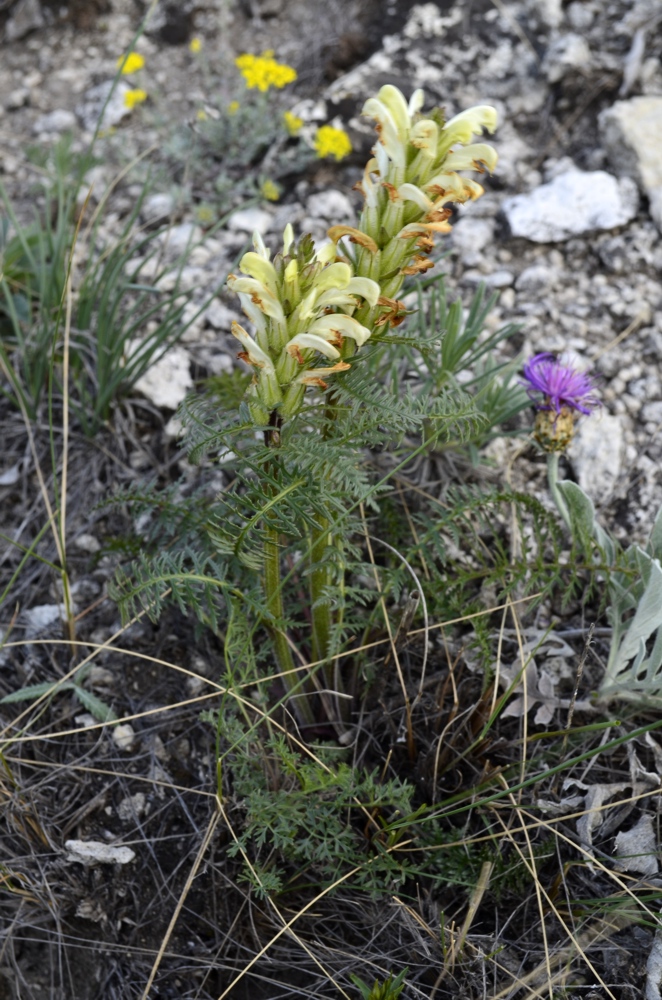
(596, 453)
(333, 206)
(94, 852)
(632, 134)
(496, 279)
(58, 121)
(180, 239)
(536, 278)
(248, 220)
(90, 108)
(166, 382)
(470, 236)
(219, 316)
(17, 99)
(26, 17)
(566, 54)
(157, 208)
(573, 203)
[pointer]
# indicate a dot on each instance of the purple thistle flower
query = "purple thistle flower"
(561, 385)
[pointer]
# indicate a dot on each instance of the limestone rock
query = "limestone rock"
(573, 203)
(596, 454)
(166, 383)
(632, 135)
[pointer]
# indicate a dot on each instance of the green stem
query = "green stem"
(273, 588)
(319, 581)
(553, 480)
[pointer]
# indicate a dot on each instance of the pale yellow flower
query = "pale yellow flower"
(195, 45)
(201, 115)
(330, 141)
(233, 107)
(130, 63)
(133, 97)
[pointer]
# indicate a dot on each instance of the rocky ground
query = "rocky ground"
(569, 231)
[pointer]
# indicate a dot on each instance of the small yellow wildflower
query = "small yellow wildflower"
(233, 107)
(195, 45)
(293, 123)
(205, 215)
(130, 63)
(133, 97)
(270, 190)
(262, 72)
(330, 141)
(201, 115)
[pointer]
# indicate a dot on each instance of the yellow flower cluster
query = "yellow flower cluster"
(130, 63)
(270, 190)
(195, 45)
(293, 123)
(133, 97)
(262, 72)
(330, 141)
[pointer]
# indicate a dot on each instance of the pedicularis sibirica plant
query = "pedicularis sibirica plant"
(329, 382)
(312, 310)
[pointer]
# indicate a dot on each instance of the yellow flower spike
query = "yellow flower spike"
(254, 354)
(310, 342)
(133, 97)
(291, 285)
(335, 275)
(355, 236)
(471, 122)
(339, 325)
(477, 156)
(195, 45)
(288, 238)
(256, 266)
(260, 295)
(130, 63)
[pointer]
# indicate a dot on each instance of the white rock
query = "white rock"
(17, 98)
(58, 121)
(131, 807)
(157, 208)
(496, 279)
(180, 239)
(89, 110)
(219, 316)
(470, 236)
(247, 220)
(548, 12)
(632, 135)
(94, 852)
(536, 278)
(567, 53)
(87, 543)
(166, 383)
(596, 454)
(334, 206)
(41, 617)
(573, 203)
(124, 736)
